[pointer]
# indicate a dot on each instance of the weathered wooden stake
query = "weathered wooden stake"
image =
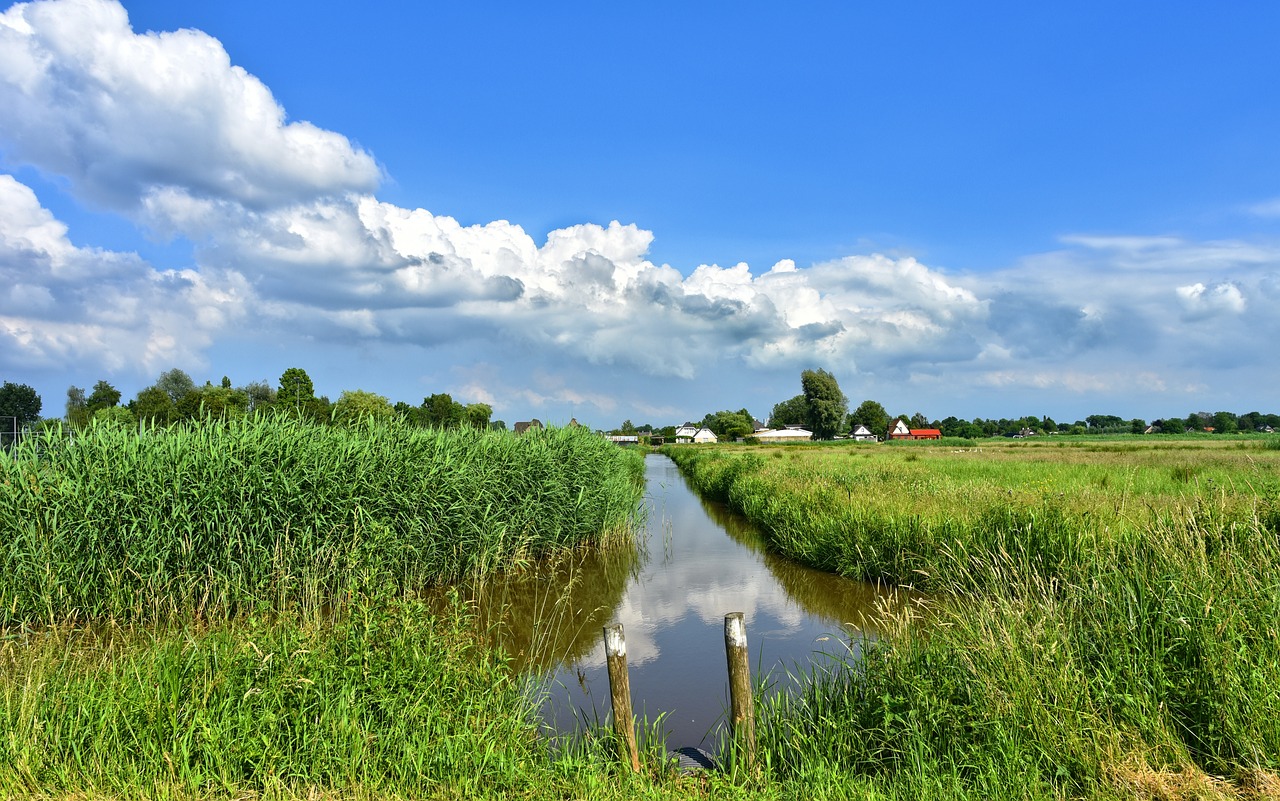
(615, 651)
(742, 714)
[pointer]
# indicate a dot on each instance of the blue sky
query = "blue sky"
(649, 212)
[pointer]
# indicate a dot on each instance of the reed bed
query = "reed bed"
(218, 517)
(254, 609)
(1101, 622)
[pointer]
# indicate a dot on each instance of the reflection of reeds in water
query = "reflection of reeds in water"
(857, 607)
(550, 613)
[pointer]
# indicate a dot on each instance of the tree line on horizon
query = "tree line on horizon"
(176, 397)
(821, 407)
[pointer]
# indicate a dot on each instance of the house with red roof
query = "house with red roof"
(899, 430)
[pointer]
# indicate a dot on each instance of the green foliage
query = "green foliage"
(872, 415)
(729, 426)
(20, 401)
(384, 696)
(104, 396)
(440, 410)
(826, 405)
(477, 415)
(355, 406)
(1097, 621)
(77, 407)
(225, 516)
(175, 383)
(296, 391)
(153, 405)
(114, 416)
(792, 412)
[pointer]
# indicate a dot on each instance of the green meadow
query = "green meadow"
(1100, 617)
(262, 609)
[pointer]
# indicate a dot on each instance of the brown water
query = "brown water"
(696, 561)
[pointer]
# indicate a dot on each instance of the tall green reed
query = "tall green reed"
(220, 516)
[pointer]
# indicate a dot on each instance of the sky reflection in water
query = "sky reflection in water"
(696, 563)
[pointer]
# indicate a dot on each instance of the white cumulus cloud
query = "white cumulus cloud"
(62, 304)
(128, 116)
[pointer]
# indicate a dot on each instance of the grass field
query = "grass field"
(1103, 620)
(239, 610)
(252, 611)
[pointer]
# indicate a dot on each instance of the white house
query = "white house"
(861, 433)
(691, 433)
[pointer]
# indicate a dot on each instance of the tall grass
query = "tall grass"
(251, 610)
(218, 517)
(1085, 637)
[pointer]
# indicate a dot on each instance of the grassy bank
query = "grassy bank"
(1104, 622)
(238, 611)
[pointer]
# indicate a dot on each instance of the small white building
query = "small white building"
(691, 433)
(788, 434)
(861, 433)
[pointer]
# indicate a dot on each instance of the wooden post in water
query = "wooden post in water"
(742, 714)
(615, 651)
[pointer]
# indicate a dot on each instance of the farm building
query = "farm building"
(535, 423)
(788, 434)
(861, 433)
(691, 433)
(899, 430)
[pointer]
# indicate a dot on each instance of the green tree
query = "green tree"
(175, 383)
(222, 402)
(296, 391)
(104, 396)
(1225, 423)
(154, 405)
(440, 410)
(260, 395)
(77, 408)
(477, 415)
(791, 412)
(114, 416)
(872, 415)
(19, 401)
(356, 405)
(729, 425)
(826, 404)
(1137, 426)
(1102, 422)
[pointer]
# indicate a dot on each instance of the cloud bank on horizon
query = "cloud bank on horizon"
(291, 243)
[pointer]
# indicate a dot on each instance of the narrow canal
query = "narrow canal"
(695, 561)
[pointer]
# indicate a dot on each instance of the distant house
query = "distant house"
(899, 430)
(535, 423)
(705, 435)
(861, 433)
(623, 439)
(691, 433)
(685, 432)
(788, 434)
